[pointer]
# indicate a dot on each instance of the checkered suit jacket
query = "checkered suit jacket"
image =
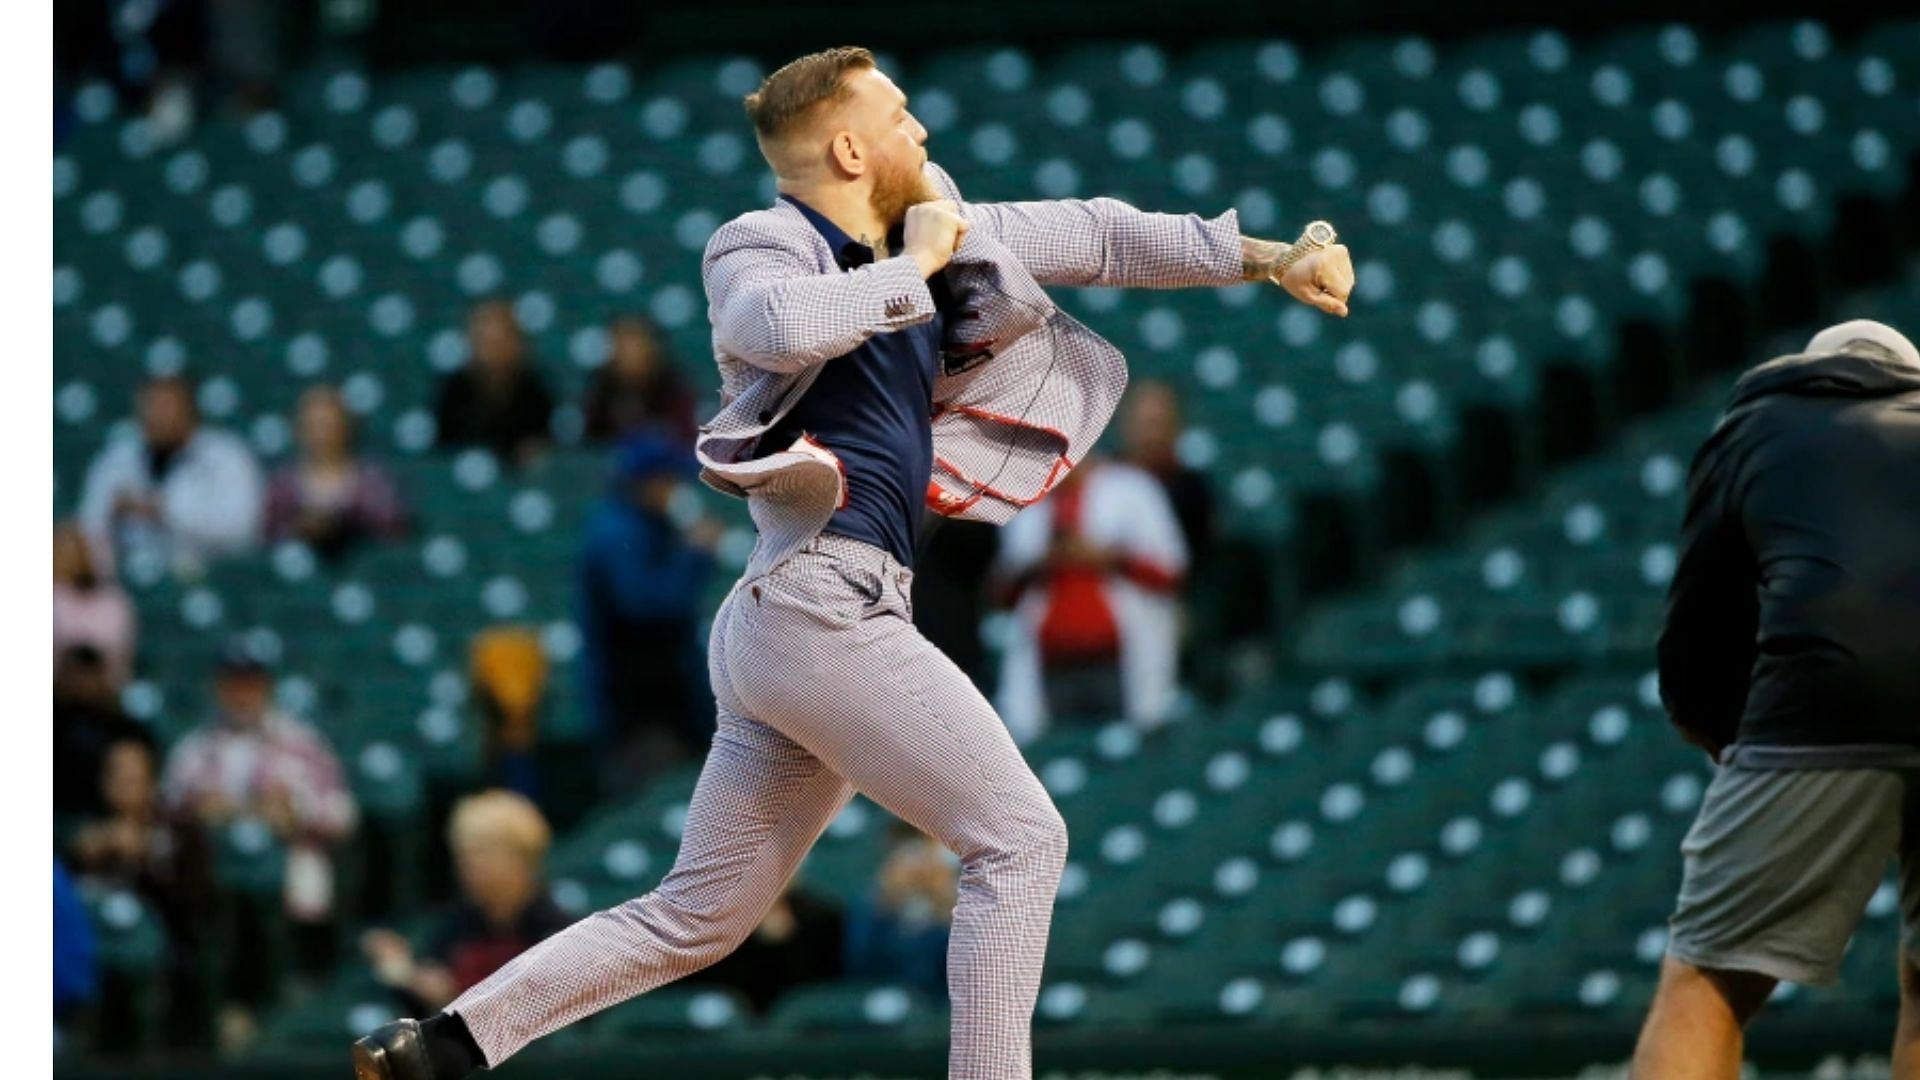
(1024, 390)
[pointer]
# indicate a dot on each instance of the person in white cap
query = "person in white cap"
(1791, 653)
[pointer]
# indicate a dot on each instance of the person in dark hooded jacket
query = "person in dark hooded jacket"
(1791, 653)
(642, 575)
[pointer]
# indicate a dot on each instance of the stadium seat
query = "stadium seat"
(852, 1006)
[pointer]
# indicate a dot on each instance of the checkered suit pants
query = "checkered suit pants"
(824, 688)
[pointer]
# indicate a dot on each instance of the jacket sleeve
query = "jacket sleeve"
(222, 514)
(1154, 552)
(382, 509)
(776, 312)
(323, 803)
(281, 517)
(185, 770)
(110, 474)
(1107, 242)
(533, 411)
(1707, 647)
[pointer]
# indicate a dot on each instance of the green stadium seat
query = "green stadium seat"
(674, 1012)
(853, 1006)
(130, 936)
(328, 1021)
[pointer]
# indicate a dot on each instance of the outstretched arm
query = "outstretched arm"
(1321, 278)
(1107, 242)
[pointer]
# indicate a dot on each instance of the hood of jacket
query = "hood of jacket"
(1865, 370)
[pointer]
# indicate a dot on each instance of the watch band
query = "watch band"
(1317, 235)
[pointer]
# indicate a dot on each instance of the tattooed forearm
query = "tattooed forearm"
(1259, 257)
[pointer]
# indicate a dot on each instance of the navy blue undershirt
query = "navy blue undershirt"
(873, 407)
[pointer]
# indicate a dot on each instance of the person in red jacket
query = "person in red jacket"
(1094, 574)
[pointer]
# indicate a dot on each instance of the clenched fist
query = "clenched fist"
(933, 233)
(1323, 278)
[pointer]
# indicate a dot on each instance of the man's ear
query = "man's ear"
(848, 154)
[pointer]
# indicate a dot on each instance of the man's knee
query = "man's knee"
(1744, 992)
(1033, 844)
(1050, 842)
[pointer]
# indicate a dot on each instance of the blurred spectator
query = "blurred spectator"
(132, 845)
(165, 56)
(898, 931)
(329, 497)
(247, 44)
(800, 940)
(255, 763)
(510, 670)
(176, 491)
(87, 720)
(150, 50)
(89, 607)
(74, 979)
(1094, 574)
(498, 400)
(949, 589)
(1228, 579)
(639, 388)
(642, 584)
(1151, 429)
(498, 840)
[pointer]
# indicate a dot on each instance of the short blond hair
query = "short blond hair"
(502, 819)
(788, 96)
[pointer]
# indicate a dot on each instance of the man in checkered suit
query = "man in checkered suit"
(883, 346)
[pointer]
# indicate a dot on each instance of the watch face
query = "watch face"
(1320, 232)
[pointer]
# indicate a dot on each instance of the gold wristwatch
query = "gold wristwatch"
(1317, 235)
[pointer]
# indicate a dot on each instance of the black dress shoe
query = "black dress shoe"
(392, 1052)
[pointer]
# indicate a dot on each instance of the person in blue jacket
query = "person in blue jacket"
(642, 581)
(74, 979)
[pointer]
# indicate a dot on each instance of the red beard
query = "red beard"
(894, 190)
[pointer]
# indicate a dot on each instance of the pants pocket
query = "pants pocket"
(817, 592)
(867, 586)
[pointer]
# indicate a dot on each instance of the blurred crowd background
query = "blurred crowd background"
(381, 575)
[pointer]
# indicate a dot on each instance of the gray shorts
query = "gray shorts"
(1780, 865)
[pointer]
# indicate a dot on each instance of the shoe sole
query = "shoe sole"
(370, 1063)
